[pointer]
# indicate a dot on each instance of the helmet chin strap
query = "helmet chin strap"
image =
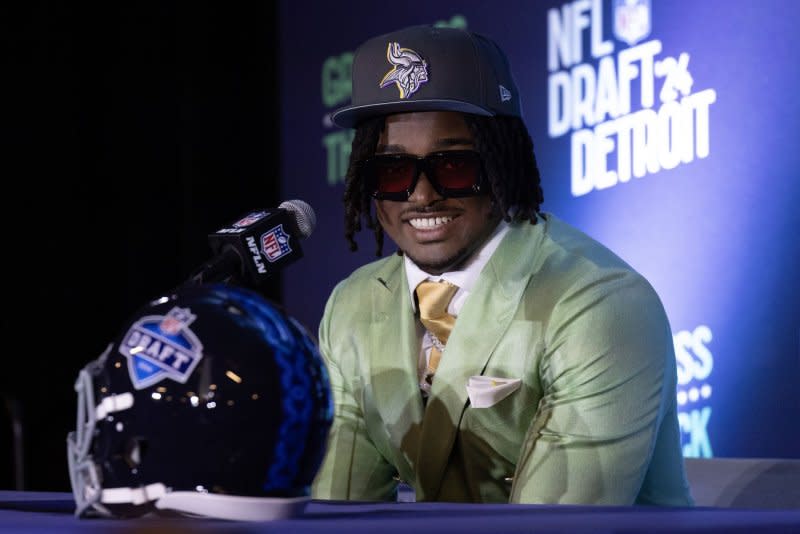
(114, 403)
(232, 507)
(135, 496)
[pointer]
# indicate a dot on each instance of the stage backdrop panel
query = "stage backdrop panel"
(666, 130)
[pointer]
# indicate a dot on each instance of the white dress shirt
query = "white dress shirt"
(464, 278)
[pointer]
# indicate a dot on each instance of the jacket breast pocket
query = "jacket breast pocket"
(504, 423)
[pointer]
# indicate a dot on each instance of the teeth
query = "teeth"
(429, 222)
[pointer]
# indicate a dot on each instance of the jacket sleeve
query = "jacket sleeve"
(607, 374)
(353, 468)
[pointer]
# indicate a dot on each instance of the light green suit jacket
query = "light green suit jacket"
(594, 420)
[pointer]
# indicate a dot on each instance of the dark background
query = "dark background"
(130, 131)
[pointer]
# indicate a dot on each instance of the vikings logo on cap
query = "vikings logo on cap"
(409, 71)
(161, 346)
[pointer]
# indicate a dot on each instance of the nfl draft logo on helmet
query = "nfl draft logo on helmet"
(159, 347)
(239, 436)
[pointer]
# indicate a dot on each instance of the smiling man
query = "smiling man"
(435, 232)
(500, 355)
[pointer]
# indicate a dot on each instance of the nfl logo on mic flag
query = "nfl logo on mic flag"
(275, 244)
(249, 219)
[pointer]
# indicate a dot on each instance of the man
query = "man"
(547, 373)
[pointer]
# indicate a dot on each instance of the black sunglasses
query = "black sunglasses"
(454, 173)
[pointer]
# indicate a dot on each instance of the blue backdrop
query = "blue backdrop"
(666, 130)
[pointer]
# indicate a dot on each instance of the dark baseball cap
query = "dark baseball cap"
(428, 68)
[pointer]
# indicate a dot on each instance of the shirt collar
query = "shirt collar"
(465, 277)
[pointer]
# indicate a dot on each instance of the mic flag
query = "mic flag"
(257, 244)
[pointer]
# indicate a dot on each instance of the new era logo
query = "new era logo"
(505, 94)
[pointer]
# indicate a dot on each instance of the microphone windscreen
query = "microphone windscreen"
(304, 215)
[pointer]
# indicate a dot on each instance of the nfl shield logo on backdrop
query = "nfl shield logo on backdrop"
(631, 20)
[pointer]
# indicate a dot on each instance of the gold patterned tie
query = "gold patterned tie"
(433, 298)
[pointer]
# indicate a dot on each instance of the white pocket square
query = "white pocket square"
(486, 391)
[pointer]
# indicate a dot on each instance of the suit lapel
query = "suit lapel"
(394, 353)
(483, 320)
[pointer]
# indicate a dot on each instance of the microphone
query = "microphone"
(256, 245)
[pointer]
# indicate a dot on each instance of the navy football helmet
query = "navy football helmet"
(212, 402)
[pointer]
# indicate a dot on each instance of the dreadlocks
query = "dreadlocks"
(505, 147)
(357, 200)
